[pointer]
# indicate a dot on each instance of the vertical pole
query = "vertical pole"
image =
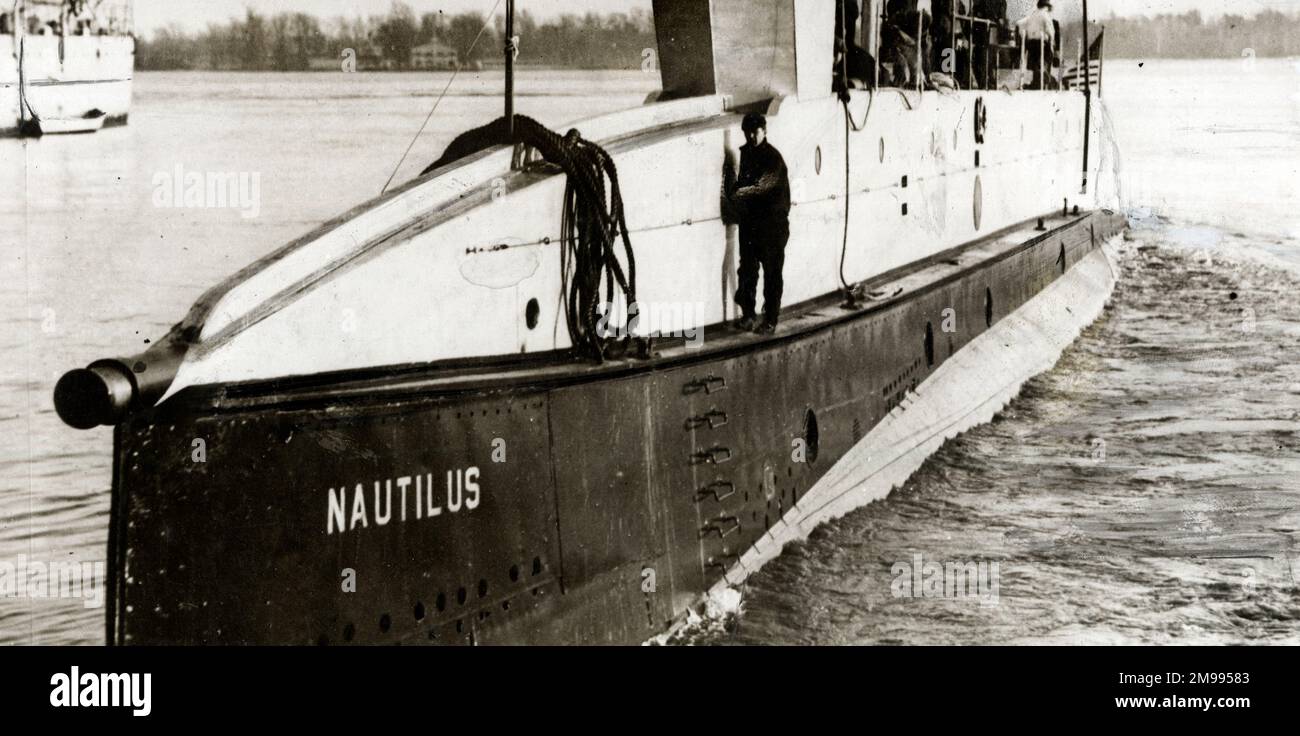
(1087, 54)
(843, 21)
(1101, 58)
(952, 35)
(878, 41)
(878, 13)
(1087, 96)
(920, 49)
(510, 68)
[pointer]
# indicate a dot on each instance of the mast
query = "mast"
(510, 68)
(1087, 96)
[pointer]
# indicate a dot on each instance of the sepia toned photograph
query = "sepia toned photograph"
(649, 322)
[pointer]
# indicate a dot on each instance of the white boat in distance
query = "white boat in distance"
(65, 65)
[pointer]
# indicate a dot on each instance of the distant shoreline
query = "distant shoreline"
(499, 69)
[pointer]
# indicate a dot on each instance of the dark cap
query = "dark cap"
(753, 121)
(1045, 3)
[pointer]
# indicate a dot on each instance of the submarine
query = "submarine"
(410, 426)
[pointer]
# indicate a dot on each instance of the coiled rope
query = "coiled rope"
(592, 223)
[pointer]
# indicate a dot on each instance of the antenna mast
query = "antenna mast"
(1087, 95)
(510, 68)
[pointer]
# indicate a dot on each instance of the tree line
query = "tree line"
(1189, 36)
(293, 41)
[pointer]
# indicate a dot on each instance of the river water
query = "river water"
(1144, 490)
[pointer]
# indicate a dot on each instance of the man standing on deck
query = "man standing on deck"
(851, 61)
(761, 204)
(1038, 34)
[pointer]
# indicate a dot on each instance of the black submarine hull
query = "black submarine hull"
(529, 501)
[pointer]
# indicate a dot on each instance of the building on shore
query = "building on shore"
(433, 56)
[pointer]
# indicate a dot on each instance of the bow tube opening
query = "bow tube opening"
(106, 391)
(98, 395)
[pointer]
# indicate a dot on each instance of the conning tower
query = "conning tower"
(748, 50)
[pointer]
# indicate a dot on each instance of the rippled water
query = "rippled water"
(1144, 490)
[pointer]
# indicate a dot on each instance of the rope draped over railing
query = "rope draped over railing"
(592, 223)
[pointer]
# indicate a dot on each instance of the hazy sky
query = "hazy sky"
(152, 14)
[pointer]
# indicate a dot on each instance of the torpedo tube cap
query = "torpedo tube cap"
(98, 395)
(106, 391)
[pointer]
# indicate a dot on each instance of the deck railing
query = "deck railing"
(977, 53)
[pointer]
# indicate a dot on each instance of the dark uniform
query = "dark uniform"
(762, 198)
(898, 47)
(984, 50)
(849, 57)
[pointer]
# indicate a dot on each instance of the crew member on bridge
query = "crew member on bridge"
(1038, 34)
(851, 61)
(986, 39)
(948, 40)
(761, 203)
(898, 40)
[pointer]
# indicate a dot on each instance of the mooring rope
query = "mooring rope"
(850, 126)
(591, 224)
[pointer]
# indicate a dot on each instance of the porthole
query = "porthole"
(385, 623)
(531, 313)
(1061, 258)
(811, 435)
(988, 307)
(419, 611)
(882, 150)
(817, 159)
(978, 204)
(929, 345)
